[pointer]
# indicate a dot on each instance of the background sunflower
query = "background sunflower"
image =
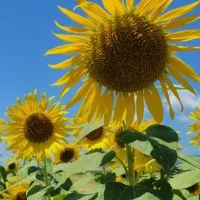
(35, 127)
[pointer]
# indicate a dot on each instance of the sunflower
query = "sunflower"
(15, 192)
(195, 127)
(35, 127)
(2, 128)
(194, 189)
(143, 163)
(97, 136)
(12, 165)
(67, 153)
(120, 52)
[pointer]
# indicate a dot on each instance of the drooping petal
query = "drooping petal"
(67, 63)
(180, 22)
(183, 68)
(113, 6)
(154, 103)
(80, 94)
(166, 79)
(183, 36)
(77, 18)
(72, 29)
(177, 12)
(140, 106)
(165, 91)
(180, 79)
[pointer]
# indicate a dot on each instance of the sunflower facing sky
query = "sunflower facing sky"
(35, 127)
(195, 127)
(123, 53)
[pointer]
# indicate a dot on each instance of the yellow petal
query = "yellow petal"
(67, 63)
(113, 6)
(65, 78)
(180, 79)
(177, 12)
(159, 9)
(77, 18)
(172, 88)
(72, 80)
(67, 49)
(129, 5)
(72, 38)
(183, 68)
(79, 94)
(94, 11)
(183, 36)
(140, 106)
(108, 101)
(76, 30)
(180, 22)
(154, 103)
(164, 89)
(119, 108)
(130, 108)
(172, 47)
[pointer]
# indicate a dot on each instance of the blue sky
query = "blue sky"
(25, 36)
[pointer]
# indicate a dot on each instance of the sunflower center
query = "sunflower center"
(126, 53)
(38, 128)
(12, 166)
(67, 154)
(95, 134)
(21, 196)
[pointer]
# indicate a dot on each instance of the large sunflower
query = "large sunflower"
(35, 127)
(195, 128)
(120, 51)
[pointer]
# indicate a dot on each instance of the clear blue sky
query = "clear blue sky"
(25, 35)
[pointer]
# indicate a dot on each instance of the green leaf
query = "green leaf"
(107, 158)
(59, 197)
(86, 162)
(106, 178)
(118, 191)
(162, 132)
(3, 173)
(188, 177)
(79, 196)
(190, 160)
(181, 195)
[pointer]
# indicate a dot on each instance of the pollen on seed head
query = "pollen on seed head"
(126, 53)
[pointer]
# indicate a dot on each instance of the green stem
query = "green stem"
(131, 173)
(123, 165)
(45, 173)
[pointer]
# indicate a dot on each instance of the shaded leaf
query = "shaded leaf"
(107, 158)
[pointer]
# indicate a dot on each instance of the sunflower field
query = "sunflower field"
(125, 57)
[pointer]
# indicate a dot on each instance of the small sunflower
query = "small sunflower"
(194, 189)
(35, 127)
(143, 163)
(12, 165)
(67, 153)
(15, 192)
(195, 127)
(121, 52)
(97, 137)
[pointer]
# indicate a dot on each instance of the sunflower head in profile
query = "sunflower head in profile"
(35, 127)
(124, 53)
(195, 127)
(15, 191)
(67, 153)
